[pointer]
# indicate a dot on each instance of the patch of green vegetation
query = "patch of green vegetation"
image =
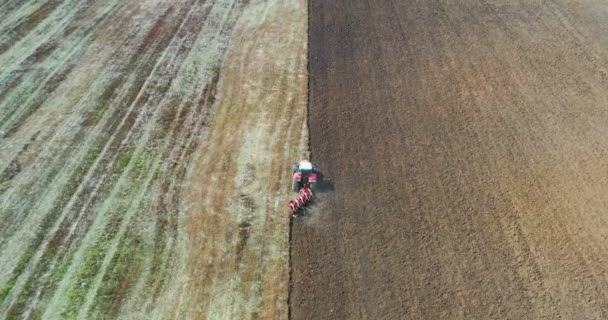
(93, 259)
(57, 274)
(37, 282)
(163, 88)
(15, 310)
(78, 175)
(125, 267)
(124, 263)
(122, 161)
(69, 189)
(54, 252)
(161, 260)
(6, 289)
(23, 262)
(143, 163)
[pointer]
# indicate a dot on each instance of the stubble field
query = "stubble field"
(141, 153)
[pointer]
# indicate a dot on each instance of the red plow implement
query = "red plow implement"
(305, 196)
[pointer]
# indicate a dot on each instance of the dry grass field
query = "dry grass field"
(142, 147)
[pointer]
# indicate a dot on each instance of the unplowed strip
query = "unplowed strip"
(236, 226)
(467, 144)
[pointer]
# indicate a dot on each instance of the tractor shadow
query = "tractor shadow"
(324, 185)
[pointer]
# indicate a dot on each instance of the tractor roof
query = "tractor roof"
(305, 165)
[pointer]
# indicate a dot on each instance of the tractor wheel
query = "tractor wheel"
(295, 186)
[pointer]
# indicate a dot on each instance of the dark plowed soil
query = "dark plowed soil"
(467, 142)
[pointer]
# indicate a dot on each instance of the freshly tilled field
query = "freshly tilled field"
(467, 144)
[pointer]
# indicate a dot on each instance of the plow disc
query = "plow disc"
(305, 196)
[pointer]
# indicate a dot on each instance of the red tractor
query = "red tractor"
(305, 177)
(304, 174)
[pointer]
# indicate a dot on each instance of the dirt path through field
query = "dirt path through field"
(467, 143)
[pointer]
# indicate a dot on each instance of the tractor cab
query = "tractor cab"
(305, 168)
(304, 174)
